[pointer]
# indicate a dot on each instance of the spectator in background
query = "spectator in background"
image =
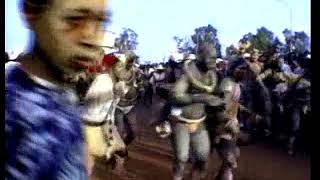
(254, 64)
(297, 69)
(285, 66)
(221, 69)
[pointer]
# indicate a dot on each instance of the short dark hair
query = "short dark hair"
(237, 64)
(34, 6)
(7, 58)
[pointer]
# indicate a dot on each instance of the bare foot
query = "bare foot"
(120, 169)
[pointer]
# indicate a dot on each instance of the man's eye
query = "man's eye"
(75, 19)
(103, 23)
(103, 19)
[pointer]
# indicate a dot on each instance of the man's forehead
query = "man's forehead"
(82, 6)
(210, 52)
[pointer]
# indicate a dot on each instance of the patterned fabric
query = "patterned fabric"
(286, 68)
(43, 131)
(233, 106)
(236, 92)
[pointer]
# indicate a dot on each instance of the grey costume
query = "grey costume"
(276, 76)
(192, 92)
(224, 121)
(189, 103)
(226, 127)
(298, 104)
(126, 74)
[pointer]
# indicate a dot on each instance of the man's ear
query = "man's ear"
(30, 13)
(30, 19)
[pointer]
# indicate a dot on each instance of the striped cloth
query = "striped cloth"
(236, 92)
(42, 129)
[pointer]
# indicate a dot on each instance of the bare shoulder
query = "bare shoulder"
(118, 66)
(189, 66)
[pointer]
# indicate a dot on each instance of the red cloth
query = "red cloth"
(107, 62)
(92, 69)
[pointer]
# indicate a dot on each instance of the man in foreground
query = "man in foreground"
(42, 123)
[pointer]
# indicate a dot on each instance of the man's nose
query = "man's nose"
(91, 37)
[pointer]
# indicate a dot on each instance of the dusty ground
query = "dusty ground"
(150, 158)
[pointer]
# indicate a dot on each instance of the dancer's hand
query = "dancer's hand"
(305, 109)
(164, 129)
(121, 89)
(89, 161)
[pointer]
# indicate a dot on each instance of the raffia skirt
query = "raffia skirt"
(103, 141)
(95, 140)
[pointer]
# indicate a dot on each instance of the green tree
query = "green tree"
(231, 51)
(207, 34)
(263, 40)
(127, 40)
(289, 39)
(297, 42)
(302, 42)
(247, 37)
(184, 45)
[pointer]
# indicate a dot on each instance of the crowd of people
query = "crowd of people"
(276, 88)
(69, 103)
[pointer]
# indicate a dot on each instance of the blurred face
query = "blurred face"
(281, 61)
(130, 63)
(69, 33)
(262, 59)
(254, 57)
(208, 57)
(223, 66)
(242, 50)
(239, 74)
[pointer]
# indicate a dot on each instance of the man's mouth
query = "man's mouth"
(82, 63)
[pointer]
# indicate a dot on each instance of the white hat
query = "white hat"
(151, 70)
(191, 57)
(219, 60)
(160, 67)
(246, 55)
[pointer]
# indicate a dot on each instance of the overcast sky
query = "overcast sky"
(157, 21)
